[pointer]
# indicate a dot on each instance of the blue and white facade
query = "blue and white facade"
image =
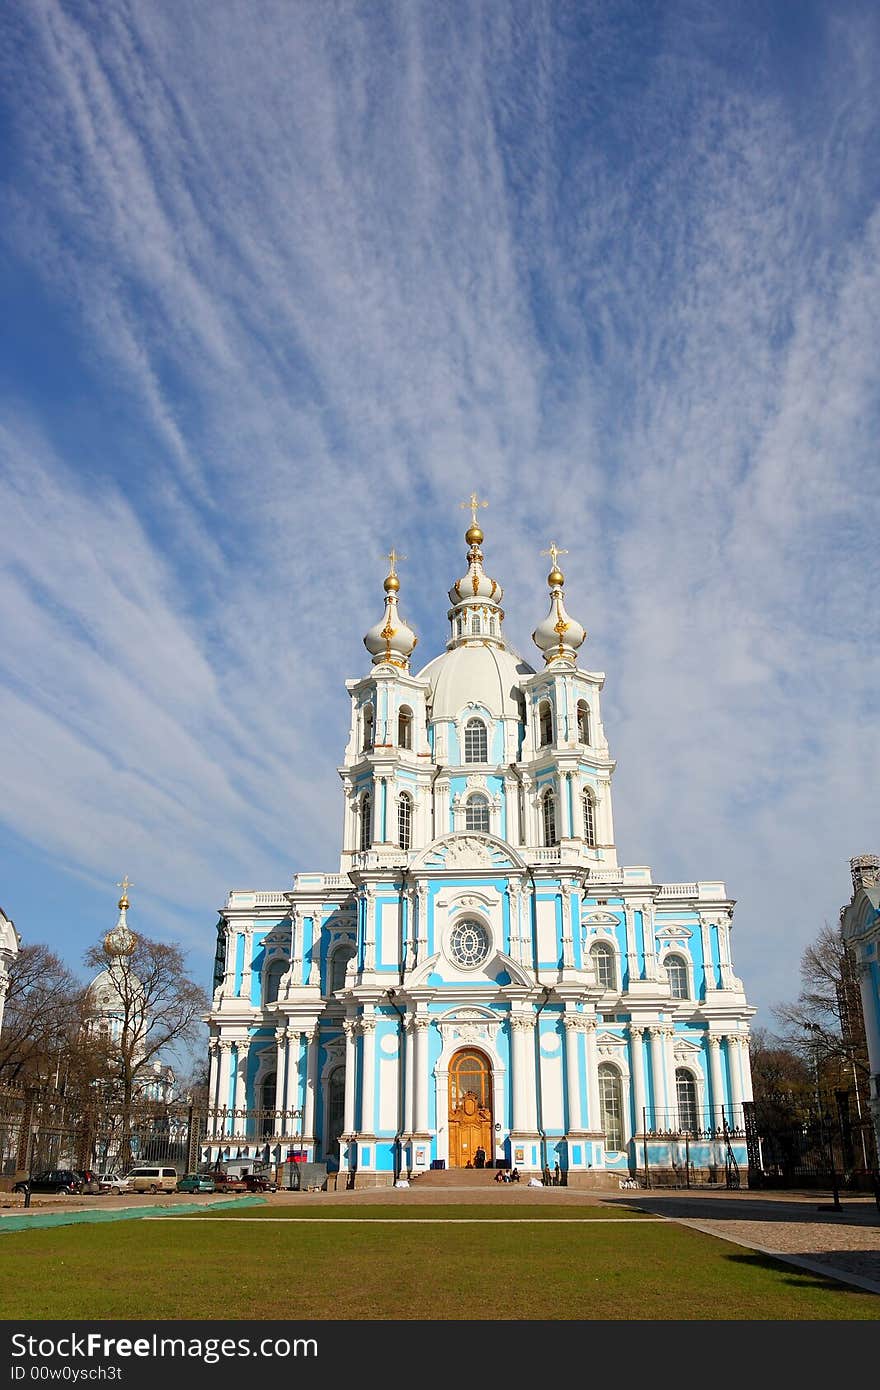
(482, 972)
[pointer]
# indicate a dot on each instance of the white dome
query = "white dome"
(487, 675)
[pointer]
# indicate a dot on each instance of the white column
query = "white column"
(573, 1028)
(245, 990)
(296, 950)
(735, 1052)
(229, 963)
(746, 1063)
(368, 1087)
(512, 892)
(651, 967)
(511, 810)
(717, 1085)
(409, 1076)
(241, 1060)
(530, 1106)
(420, 1065)
(727, 978)
(213, 1084)
(519, 1027)
(658, 1077)
(350, 1028)
(280, 1074)
(294, 1086)
(312, 1039)
(567, 939)
(422, 922)
(594, 1117)
(637, 1055)
(632, 955)
(370, 933)
(225, 1069)
(669, 1067)
(708, 963)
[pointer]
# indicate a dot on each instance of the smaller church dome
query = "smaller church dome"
(391, 641)
(559, 635)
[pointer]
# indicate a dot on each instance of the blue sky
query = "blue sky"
(283, 282)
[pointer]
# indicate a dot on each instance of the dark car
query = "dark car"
(91, 1182)
(51, 1180)
(257, 1182)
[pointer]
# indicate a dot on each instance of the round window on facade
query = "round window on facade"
(470, 943)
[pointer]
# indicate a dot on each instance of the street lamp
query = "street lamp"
(818, 1034)
(294, 1155)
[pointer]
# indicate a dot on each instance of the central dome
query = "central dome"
(487, 675)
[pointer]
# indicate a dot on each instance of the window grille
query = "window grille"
(611, 1106)
(475, 742)
(404, 821)
(476, 814)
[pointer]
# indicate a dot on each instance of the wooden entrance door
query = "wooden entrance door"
(470, 1108)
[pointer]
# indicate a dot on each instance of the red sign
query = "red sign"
(296, 1157)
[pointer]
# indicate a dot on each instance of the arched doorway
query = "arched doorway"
(470, 1108)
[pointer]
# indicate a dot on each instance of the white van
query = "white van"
(152, 1179)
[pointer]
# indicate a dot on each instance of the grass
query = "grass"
(384, 1263)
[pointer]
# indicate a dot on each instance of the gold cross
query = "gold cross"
(392, 557)
(555, 551)
(474, 503)
(125, 885)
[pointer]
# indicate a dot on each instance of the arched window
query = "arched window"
(686, 1096)
(404, 821)
(475, 742)
(603, 963)
(677, 971)
(267, 1102)
(273, 980)
(366, 817)
(589, 820)
(583, 718)
(335, 1112)
(476, 625)
(548, 814)
(545, 723)
(611, 1106)
(476, 814)
(339, 958)
(404, 727)
(368, 728)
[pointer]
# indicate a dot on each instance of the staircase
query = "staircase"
(456, 1177)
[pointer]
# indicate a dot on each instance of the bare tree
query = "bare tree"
(156, 1006)
(42, 1021)
(825, 1024)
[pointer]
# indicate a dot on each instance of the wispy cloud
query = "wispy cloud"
(326, 268)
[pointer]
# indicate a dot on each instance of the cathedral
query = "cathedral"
(481, 982)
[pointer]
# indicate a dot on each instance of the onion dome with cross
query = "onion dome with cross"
(391, 641)
(559, 635)
(476, 598)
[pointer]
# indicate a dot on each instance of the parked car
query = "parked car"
(90, 1181)
(229, 1182)
(258, 1182)
(153, 1179)
(51, 1180)
(196, 1182)
(114, 1182)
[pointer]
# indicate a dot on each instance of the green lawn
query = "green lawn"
(382, 1262)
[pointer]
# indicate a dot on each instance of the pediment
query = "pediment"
(675, 931)
(467, 852)
(600, 919)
